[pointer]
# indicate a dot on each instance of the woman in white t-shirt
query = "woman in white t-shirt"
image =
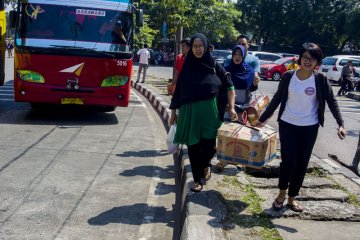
(301, 95)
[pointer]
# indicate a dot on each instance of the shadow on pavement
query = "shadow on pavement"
(150, 171)
(143, 153)
(136, 214)
(287, 229)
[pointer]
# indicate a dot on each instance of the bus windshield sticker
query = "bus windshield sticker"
(35, 11)
(90, 12)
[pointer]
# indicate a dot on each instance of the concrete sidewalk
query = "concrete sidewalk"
(236, 204)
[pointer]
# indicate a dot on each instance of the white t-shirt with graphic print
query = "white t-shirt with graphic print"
(302, 105)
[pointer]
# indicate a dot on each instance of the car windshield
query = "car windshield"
(329, 61)
(281, 61)
(57, 26)
(220, 53)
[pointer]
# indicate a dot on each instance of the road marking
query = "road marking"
(152, 202)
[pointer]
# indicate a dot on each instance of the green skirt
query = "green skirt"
(197, 121)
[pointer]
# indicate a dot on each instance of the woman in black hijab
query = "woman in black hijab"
(195, 96)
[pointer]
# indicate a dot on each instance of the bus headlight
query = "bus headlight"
(115, 81)
(30, 76)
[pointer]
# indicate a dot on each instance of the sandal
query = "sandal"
(220, 166)
(278, 205)
(295, 207)
(207, 173)
(197, 187)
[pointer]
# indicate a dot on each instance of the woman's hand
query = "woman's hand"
(256, 79)
(341, 132)
(173, 117)
(257, 123)
(233, 115)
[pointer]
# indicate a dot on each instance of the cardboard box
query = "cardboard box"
(239, 144)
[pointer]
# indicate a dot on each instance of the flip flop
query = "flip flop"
(197, 187)
(220, 166)
(277, 205)
(295, 207)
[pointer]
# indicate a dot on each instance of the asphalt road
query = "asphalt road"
(327, 142)
(78, 174)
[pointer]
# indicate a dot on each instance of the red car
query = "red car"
(275, 70)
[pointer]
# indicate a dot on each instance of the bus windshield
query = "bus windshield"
(63, 26)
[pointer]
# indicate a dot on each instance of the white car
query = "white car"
(265, 57)
(332, 66)
(221, 55)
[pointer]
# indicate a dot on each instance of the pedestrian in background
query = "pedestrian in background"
(144, 56)
(10, 47)
(180, 59)
(196, 98)
(211, 48)
(293, 65)
(356, 160)
(301, 95)
(346, 74)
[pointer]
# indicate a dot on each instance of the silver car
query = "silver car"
(332, 66)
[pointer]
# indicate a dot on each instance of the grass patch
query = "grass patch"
(352, 197)
(245, 210)
(318, 172)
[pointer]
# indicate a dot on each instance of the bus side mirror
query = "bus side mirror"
(12, 18)
(139, 18)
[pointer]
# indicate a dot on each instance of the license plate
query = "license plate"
(325, 70)
(79, 101)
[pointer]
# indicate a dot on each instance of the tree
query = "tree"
(283, 25)
(146, 34)
(214, 18)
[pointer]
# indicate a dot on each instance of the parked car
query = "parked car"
(220, 55)
(265, 57)
(275, 70)
(288, 55)
(332, 66)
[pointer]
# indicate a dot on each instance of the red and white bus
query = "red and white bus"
(74, 52)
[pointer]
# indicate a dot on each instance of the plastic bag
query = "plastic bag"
(171, 146)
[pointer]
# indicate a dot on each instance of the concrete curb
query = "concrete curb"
(353, 96)
(195, 223)
(159, 104)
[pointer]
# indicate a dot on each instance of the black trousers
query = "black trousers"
(297, 143)
(356, 159)
(200, 155)
(346, 86)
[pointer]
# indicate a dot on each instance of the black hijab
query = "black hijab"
(198, 80)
